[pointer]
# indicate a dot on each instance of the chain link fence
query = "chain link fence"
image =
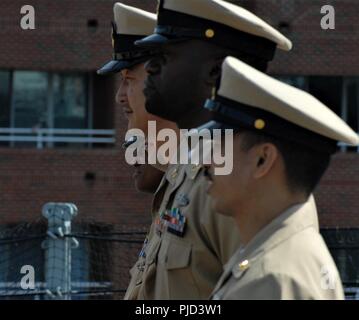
(61, 256)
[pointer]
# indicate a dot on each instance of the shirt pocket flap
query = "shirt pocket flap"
(178, 255)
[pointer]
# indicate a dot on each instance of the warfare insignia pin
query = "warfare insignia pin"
(182, 200)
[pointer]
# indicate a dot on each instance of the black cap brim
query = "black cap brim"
(115, 66)
(212, 125)
(157, 40)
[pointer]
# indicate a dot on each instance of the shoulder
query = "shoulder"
(301, 267)
(304, 251)
(280, 286)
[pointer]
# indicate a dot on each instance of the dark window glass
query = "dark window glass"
(4, 99)
(352, 117)
(70, 101)
(30, 99)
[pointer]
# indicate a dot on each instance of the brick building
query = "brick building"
(48, 80)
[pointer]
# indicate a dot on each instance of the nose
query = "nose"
(121, 97)
(153, 66)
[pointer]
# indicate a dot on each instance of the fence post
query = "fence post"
(58, 247)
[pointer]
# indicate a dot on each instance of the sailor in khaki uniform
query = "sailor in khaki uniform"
(283, 142)
(189, 243)
(131, 24)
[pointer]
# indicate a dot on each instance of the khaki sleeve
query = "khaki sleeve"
(221, 232)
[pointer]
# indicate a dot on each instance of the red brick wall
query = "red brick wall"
(315, 51)
(62, 39)
(29, 178)
(338, 194)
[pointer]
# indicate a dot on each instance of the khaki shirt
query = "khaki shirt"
(287, 259)
(188, 265)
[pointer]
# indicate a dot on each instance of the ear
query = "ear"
(265, 157)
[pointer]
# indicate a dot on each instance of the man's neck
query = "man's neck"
(262, 212)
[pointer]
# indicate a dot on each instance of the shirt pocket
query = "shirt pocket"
(176, 260)
(178, 255)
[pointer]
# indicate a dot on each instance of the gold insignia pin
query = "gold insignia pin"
(174, 174)
(259, 124)
(244, 265)
(209, 33)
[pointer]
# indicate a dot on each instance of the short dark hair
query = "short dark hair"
(304, 166)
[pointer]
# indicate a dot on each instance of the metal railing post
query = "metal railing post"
(58, 247)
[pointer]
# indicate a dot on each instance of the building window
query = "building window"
(338, 93)
(70, 102)
(29, 99)
(4, 98)
(46, 109)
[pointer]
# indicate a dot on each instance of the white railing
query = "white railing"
(46, 137)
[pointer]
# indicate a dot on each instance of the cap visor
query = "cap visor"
(114, 66)
(211, 125)
(157, 40)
